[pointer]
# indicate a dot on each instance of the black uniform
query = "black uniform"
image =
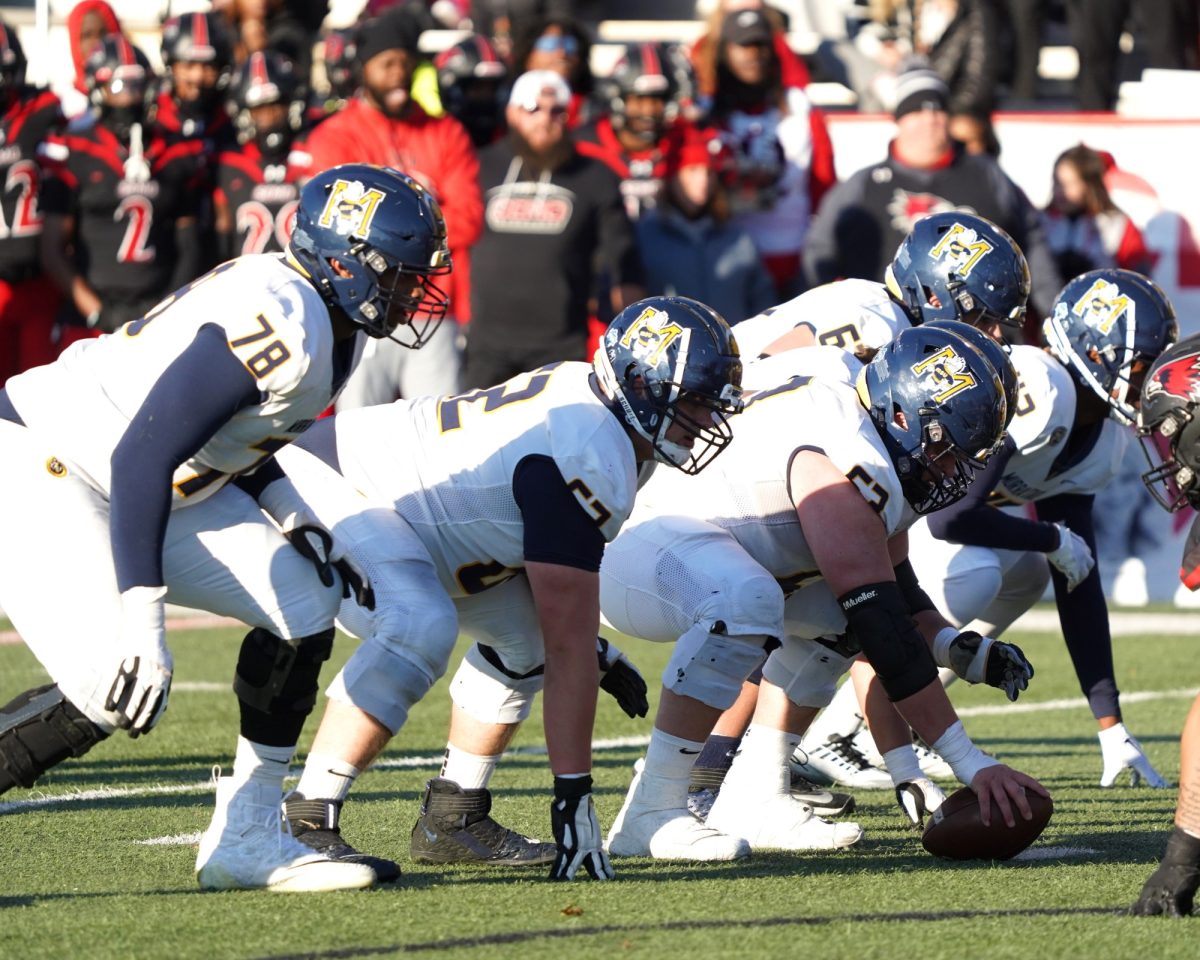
(261, 196)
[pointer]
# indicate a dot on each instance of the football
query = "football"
(956, 832)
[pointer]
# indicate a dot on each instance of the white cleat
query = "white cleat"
(838, 761)
(248, 847)
(648, 827)
(778, 822)
(1121, 751)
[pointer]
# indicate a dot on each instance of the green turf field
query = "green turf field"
(78, 878)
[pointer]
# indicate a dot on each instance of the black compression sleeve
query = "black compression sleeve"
(971, 521)
(877, 618)
(176, 419)
(917, 599)
(557, 527)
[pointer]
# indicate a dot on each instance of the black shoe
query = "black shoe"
(455, 828)
(315, 824)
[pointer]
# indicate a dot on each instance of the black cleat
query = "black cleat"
(315, 824)
(455, 828)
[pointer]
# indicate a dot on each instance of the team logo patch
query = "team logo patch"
(961, 248)
(1180, 378)
(55, 467)
(946, 373)
(650, 334)
(1102, 305)
(350, 208)
(906, 208)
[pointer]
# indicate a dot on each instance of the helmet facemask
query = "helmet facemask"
(422, 302)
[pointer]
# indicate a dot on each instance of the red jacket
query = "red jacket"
(436, 151)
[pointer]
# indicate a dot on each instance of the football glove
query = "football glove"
(142, 683)
(620, 679)
(317, 545)
(1121, 750)
(1072, 557)
(577, 831)
(979, 659)
(1171, 889)
(918, 797)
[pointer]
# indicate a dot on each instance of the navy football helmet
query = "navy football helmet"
(958, 266)
(659, 352)
(931, 395)
(387, 232)
(998, 357)
(1106, 328)
(1169, 428)
(12, 59)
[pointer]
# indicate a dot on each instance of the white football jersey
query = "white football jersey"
(275, 323)
(1040, 429)
(745, 490)
(842, 314)
(447, 463)
(828, 363)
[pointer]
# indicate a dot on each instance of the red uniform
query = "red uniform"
(641, 171)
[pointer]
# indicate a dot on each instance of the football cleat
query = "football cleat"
(1121, 751)
(246, 847)
(315, 823)
(706, 782)
(649, 825)
(838, 761)
(455, 827)
(778, 822)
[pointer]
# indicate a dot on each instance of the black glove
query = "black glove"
(620, 679)
(1003, 665)
(1171, 889)
(315, 544)
(577, 831)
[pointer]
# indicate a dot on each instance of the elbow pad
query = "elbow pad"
(917, 599)
(878, 618)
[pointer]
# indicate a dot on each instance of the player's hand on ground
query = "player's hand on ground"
(577, 831)
(978, 659)
(318, 546)
(917, 798)
(1171, 889)
(1127, 753)
(1001, 791)
(621, 680)
(142, 679)
(1072, 557)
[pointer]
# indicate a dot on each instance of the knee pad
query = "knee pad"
(808, 670)
(276, 675)
(384, 682)
(749, 606)
(39, 729)
(488, 691)
(421, 633)
(710, 666)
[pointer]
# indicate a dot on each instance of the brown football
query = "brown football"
(956, 832)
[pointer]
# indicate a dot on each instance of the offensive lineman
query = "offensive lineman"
(142, 449)
(509, 495)
(752, 557)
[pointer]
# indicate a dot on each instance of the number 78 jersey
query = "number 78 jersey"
(446, 464)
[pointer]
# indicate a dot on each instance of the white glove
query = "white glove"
(143, 680)
(1072, 557)
(918, 797)
(1121, 750)
(577, 831)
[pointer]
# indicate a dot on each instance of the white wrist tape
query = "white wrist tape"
(142, 608)
(902, 764)
(964, 757)
(941, 646)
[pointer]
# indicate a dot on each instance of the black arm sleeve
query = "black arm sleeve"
(262, 477)
(557, 527)
(877, 618)
(1083, 613)
(176, 419)
(972, 522)
(917, 599)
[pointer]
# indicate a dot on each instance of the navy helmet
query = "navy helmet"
(388, 233)
(1107, 327)
(931, 394)
(1169, 428)
(12, 59)
(339, 53)
(958, 266)
(663, 350)
(265, 78)
(997, 354)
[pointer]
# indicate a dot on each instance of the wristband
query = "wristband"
(964, 757)
(572, 786)
(902, 764)
(941, 646)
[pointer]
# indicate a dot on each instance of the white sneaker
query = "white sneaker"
(778, 822)
(933, 764)
(837, 760)
(1121, 751)
(647, 827)
(248, 846)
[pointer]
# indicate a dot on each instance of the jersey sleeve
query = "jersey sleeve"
(596, 460)
(275, 341)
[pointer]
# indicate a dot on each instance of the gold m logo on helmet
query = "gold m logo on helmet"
(350, 208)
(650, 334)
(1101, 305)
(948, 373)
(962, 248)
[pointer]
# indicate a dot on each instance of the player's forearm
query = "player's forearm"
(928, 711)
(569, 705)
(1187, 813)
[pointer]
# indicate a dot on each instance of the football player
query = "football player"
(120, 203)
(797, 545)
(28, 298)
(137, 467)
(198, 54)
(510, 494)
(1168, 424)
(257, 188)
(473, 87)
(987, 566)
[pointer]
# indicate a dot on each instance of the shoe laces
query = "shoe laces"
(843, 747)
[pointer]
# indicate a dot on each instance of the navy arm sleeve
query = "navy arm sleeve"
(557, 527)
(972, 522)
(176, 419)
(1083, 613)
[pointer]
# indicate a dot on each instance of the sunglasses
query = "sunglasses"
(556, 112)
(552, 44)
